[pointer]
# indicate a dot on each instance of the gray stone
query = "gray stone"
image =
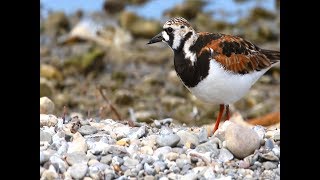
(175, 169)
(109, 174)
(78, 171)
(161, 152)
(241, 141)
(148, 177)
(172, 156)
(187, 137)
(99, 148)
(61, 164)
(185, 169)
(95, 172)
(269, 144)
(117, 160)
(269, 165)
(267, 174)
(260, 130)
(181, 162)
(137, 133)
(130, 163)
(87, 130)
(244, 164)
(159, 166)
(45, 136)
(276, 151)
(76, 157)
(203, 135)
(270, 156)
(208, 147)
(225, 155)
(148, 169)
(106, 159)
(44, 156)
(168, 140)
(190, 176)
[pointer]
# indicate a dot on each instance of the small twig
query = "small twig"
(112, 108)
(133, 118)
(88, 114)
(64, 114)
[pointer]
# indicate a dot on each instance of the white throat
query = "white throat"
(186, 48)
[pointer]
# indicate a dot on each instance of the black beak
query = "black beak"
(156, 38)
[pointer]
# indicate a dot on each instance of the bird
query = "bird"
(216, 68)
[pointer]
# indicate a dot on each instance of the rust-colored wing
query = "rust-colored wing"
(236, 54)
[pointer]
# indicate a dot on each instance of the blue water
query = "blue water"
(154, 8)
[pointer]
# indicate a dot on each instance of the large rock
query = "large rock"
(240, 140)
(46, 106)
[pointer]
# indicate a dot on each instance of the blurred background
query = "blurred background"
(86, 45)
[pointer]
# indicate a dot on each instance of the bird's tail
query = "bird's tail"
(273, 55)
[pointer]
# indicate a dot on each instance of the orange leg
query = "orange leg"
(227, 112)
(218, 118)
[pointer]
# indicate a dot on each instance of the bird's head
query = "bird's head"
(176, 32)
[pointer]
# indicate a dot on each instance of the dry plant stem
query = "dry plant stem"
(112, 108)
(64, 114)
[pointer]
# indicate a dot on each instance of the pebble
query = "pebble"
(270, 156)
(46, 105)
(78, 171)
(48, 120)
(130, 163)
(161, 152)
(137, 133)
(45, 136)
(203, 135)
(225, 155)
(269, 165)
(106, 159)
(187, 137)
(146, 150)
(269, 144)
(87, 130)
(76, 157)
(240, 140)
(61, 164)
(149, 169)
(172, 156)
(49, 174)
(260, 130)
(168, 140)
(78, 144)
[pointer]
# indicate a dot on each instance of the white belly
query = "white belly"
(224, 87)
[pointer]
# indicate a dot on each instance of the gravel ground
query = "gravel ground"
(108, 149)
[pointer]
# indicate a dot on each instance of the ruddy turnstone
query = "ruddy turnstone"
(217, 68)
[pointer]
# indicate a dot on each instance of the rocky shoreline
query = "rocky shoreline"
(78, 148)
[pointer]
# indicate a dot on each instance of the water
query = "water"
(226, 10)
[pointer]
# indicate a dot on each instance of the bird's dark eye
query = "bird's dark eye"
(181, 27)
(169, 30)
